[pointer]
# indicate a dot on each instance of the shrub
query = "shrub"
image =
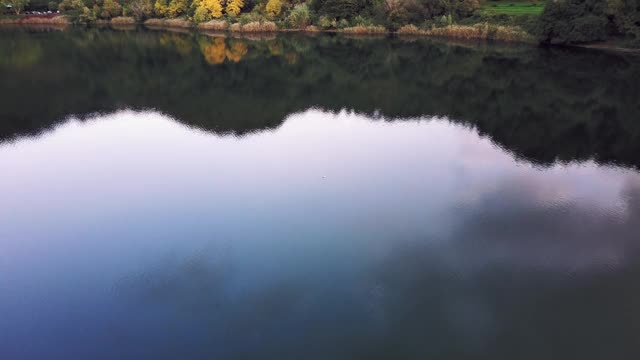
(110, 9)
(177, 23)
(87, 16)
(365, 30)
(326, 23)
(217, 25)
(481, 31)
(267, 26)
(410, 30)
(123, 20)
(141, 9)
(299, 17)
(154, 22)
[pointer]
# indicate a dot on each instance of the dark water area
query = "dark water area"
(189, 196)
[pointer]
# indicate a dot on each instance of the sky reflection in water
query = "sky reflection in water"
(335, 236)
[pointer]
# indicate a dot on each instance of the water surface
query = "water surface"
(180, 196)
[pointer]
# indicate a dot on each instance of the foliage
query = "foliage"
(75, 8)
(624, 16)
(340, 9)
(273, 8)
(207, 10)
(17, 6)
(140, 9)
(234, 7)
(572, 21)
(561, 21)
(299, 17)
(326, 23)
(171, 8)
(110, 9)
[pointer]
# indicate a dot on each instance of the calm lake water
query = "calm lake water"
(178, 196)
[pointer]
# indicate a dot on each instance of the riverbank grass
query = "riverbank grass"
(524, 7)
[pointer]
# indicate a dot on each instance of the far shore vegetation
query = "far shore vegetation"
(557, 22)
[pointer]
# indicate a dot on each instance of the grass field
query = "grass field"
(513, 7)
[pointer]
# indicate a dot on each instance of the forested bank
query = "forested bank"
(544, 21)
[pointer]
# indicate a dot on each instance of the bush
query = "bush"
(572, 21)
(141, 9)
(326, 23)
(123, 20)
(110, 9)
(267, 26)
(217, 25)
(410, 30)
(299, 17)
(363, 30)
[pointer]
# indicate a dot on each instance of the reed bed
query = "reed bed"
(168, 23)
(59, 20)
(363, 30)
(178, 23)
(311, 28)
(123, 20)
(154, 22)
(483, 32)
(410, 30)
(214, 25)
(258, 27)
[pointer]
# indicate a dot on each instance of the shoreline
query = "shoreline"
(483, 32)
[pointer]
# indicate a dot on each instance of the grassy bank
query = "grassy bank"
(513, 7)
(36, 20)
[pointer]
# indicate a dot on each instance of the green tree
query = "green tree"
(572, 21)
(16, 5)
(141, 9)
(110, 9)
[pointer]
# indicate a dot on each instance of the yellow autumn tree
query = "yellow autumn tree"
(234, 7)
(171, 8)
(273, 8)
(207, 10)
(177, 8)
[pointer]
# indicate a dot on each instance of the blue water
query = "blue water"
(336, 235)
(156, 204)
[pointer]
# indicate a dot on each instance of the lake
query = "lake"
(170, 195)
